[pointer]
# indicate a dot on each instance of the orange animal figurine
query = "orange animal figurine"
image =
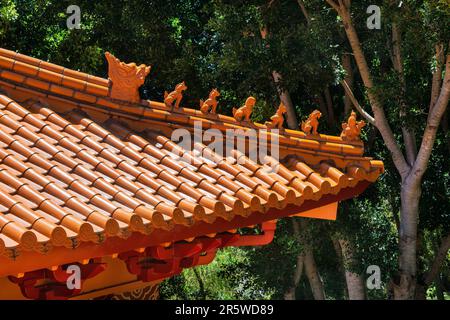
(312, 123)
(175, 95)
(210, 103)
(277, 118)
(352, 129)
(126, 78)
(245, 111)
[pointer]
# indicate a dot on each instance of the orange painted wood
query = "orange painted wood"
(326, 212)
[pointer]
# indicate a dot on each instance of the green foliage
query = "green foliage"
(229, 276)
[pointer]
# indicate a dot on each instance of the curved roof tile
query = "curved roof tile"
(69, 177)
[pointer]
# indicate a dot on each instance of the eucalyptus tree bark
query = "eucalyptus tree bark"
(411, 172)
(355, 282)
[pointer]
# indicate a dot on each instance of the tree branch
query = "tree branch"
(358, 107)
(397, 61)
(334, 5)
(347, 65)
(285, 97)
(437, 74)
(380, 119)
(434, 118)
(305, 12)
(438, 260)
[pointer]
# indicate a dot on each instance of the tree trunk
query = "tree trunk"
(411, 171)
(322, 106)
(311, 271)
(330, 111)
(439, 289)
(377, 108)
(439, 259)
(338, 250)
(409, 214)
(306, 260)
(313, 276)
(355, 282)
(433, 273)
(285, 97)
(290, 292)
(201, 285)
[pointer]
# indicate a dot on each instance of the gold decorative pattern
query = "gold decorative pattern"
(150, 292)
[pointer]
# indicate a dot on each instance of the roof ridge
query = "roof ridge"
(53, 67)
(82, 88)
(174, 119)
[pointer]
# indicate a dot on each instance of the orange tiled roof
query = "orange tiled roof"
(72, 171)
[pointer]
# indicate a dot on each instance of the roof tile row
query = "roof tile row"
(33, 62)
(88, 89)
(67, 179)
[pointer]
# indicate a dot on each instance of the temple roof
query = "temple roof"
(78, 167)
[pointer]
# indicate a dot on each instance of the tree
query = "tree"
(411, 164)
